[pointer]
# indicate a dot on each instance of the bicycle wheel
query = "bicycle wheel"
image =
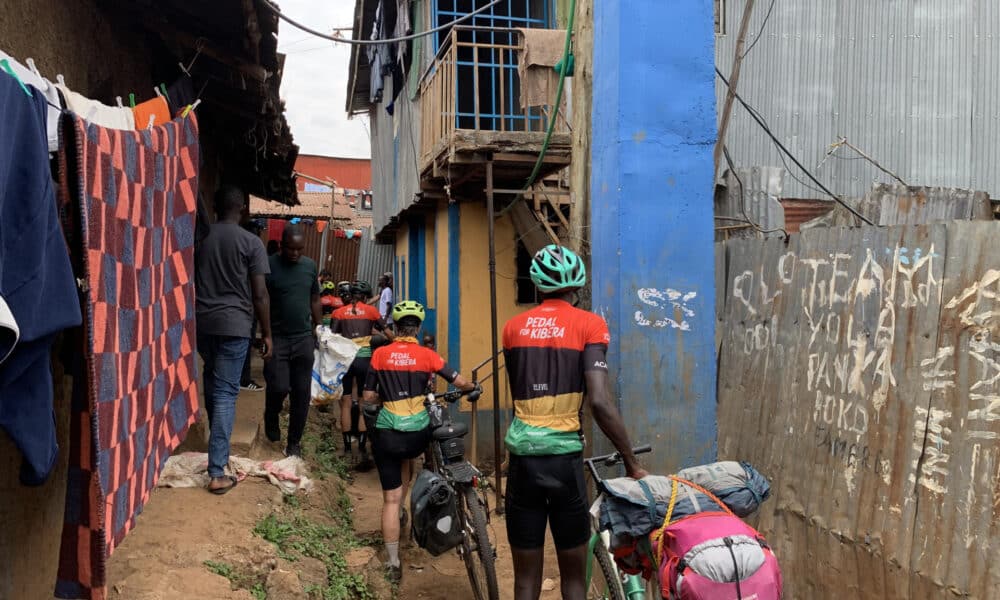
(605, 583)
(478, 552)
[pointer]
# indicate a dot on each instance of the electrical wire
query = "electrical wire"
(405, 38)
(756, 117)
(759, 33)
(743, 198)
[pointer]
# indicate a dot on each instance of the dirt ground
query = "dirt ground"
(192, 544)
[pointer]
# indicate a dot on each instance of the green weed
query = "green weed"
(239, 580)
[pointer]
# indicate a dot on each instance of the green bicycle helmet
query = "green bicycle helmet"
(556, 268)
(408, 308)
(361, 288)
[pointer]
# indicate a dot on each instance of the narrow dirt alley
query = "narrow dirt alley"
(255, 544)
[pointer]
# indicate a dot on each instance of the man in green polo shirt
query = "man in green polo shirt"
(295, 313)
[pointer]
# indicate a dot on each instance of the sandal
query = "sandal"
(223, 490)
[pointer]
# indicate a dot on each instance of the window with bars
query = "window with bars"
(487, 86)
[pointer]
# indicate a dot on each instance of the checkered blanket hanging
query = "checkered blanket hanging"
(132, 198)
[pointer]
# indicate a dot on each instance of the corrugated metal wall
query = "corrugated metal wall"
(342, 253)
(913, 84)
(859, 371)
(374, 258)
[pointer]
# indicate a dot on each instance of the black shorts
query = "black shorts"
(357, 373)
(391, 448)
(547, 488)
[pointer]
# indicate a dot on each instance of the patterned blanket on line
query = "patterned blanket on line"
(131, 198)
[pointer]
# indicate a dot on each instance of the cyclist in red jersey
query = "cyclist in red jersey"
(357, 321)
(556, 357)
(398, 379)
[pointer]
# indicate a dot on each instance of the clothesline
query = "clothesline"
(61, 99)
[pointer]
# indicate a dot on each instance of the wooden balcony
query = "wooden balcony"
(472, 114)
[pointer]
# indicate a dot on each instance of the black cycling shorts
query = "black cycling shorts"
(549, 489)
(391, 448)
(357, 374)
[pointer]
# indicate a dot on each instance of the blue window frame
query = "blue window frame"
(498, 25)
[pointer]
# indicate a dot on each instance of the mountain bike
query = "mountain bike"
(610, 583)
(448, 460)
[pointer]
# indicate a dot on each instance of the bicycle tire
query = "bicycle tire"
(480, 560)
(612, 588)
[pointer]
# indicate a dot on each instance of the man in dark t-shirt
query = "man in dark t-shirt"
(229, 288)
(295, 313)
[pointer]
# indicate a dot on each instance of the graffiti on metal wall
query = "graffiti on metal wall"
(668, 308)
(847, 305)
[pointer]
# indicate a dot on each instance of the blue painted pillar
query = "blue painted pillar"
(653, 129)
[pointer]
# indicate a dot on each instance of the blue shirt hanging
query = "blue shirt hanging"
(36, 279)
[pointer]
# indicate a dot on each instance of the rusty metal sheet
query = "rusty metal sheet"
(957, 488)
(836, 408)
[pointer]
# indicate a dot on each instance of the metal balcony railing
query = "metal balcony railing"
(474, 85)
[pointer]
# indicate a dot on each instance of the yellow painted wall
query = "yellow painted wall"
(402, 290)
(440, 250)
(475, 290)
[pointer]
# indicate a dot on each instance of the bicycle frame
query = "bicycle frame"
(634, 586)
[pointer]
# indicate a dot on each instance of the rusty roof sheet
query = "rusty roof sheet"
(316, 205)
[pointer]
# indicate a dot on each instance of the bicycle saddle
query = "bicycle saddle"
(451, 430)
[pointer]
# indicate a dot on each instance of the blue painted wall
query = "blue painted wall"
(654, 126)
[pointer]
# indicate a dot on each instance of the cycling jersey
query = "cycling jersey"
(399, 373)
(547, 350)
(357, 321)
(329, 303)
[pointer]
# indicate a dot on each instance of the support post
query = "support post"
(734, 79)
(494, 342)
(651, 200)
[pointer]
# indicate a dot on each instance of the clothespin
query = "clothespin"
(60, 79)
(31, 65)
(118, 101)
(158, 93)
(163, 88)
(131, 100)
(191, 107)
(152, 120)
(6, 67)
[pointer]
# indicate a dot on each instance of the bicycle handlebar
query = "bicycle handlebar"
(454, 395)
(610, 460)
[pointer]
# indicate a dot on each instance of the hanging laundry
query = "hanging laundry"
(48, 89)
(339, 233)
(320, 226)
(403, 28)
(139, 395)
(275, 228)
(543, 48)
(38, 296)
(112, 117)
(156, 108)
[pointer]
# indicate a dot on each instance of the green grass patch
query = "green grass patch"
(295, 534)
(239, 579)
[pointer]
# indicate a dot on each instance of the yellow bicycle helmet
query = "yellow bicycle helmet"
(408, 308)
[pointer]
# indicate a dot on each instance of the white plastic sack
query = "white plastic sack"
(190, 470)
(333, 356)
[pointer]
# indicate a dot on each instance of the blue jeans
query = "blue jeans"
(223, 356)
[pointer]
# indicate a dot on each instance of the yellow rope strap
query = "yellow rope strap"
(658, 534)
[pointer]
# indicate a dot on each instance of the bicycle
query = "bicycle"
(448, 461)
(612, 583)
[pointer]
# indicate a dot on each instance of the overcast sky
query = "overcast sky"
(315, 82)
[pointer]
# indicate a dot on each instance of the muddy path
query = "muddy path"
(255, 544)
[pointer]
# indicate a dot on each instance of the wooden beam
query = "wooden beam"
(734, 78)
